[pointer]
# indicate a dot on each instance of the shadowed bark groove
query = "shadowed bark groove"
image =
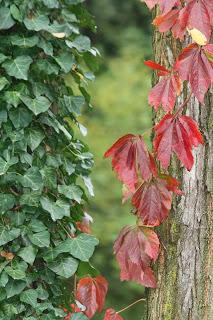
(185, 266)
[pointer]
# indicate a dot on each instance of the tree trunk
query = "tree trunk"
(185, 267)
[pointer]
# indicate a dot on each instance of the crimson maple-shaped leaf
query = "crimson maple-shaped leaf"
(135, 248)
(178, 134)
(130, 157)
(91, 293)
(153, 200)
(111, 314)
(200, 16)
(193, 65)
(166, 90)
(175, 20)
(165, 5)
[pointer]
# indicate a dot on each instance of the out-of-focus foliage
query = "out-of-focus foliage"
(119, 106)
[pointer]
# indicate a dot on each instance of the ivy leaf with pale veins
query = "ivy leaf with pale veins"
(64, 267)
(40, 239)
(6, 20)
(30, 297)
(57, 210)
(32, 179)
(37, 105)
(18, 67)
(71, 192)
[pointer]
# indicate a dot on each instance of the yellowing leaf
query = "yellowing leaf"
(198, 36)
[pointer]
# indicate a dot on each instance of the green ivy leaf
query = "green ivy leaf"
(82, 247)
(71, 192)
(46, 46)
(51, 3)
(57, 209)
(30, 297)
(28, 254)
(18, 67)
(4, 279)
(37, 23)
(47, 67)
(12, 97)
(81, 43)
(6, 20)
(40, 239)
(17, 273)
(20, 117)
(8, 235)
(3, 82)
(66, 61)
(64, 267)
(32, 179)
(14, 287)
(73, 104)
(30, 199)
(34, 138)
(37, 105)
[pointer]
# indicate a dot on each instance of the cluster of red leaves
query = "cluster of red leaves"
(195, 14)
(91, 293)
(135, 249)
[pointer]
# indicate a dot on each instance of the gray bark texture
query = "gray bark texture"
(185, 266)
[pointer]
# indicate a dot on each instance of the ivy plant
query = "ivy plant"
(44, 168)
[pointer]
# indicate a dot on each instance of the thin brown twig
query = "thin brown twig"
(131, 305)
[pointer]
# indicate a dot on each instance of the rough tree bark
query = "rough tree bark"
(185, 267)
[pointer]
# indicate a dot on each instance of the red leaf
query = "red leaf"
(174, 20)
(165, 92)
(91, 293)
(194, 66)
(165, 5)
(200, 16)
(176, 134)
(153, 202)
(172, 184)
(156, 66)
(130, 157)
(135, 248)
(112, 315)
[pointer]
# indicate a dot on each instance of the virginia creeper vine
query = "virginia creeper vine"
(44, 232)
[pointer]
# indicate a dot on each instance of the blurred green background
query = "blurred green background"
(119, 99)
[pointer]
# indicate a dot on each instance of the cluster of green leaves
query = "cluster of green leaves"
(42, 165)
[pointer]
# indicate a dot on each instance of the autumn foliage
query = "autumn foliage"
(143, 172)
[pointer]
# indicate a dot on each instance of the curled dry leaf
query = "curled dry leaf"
(166, 90)
(135, 248)
(7, 255)
(91, 293)
(111, 314)
(59, 35)
(131, 160)
(178, 134)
